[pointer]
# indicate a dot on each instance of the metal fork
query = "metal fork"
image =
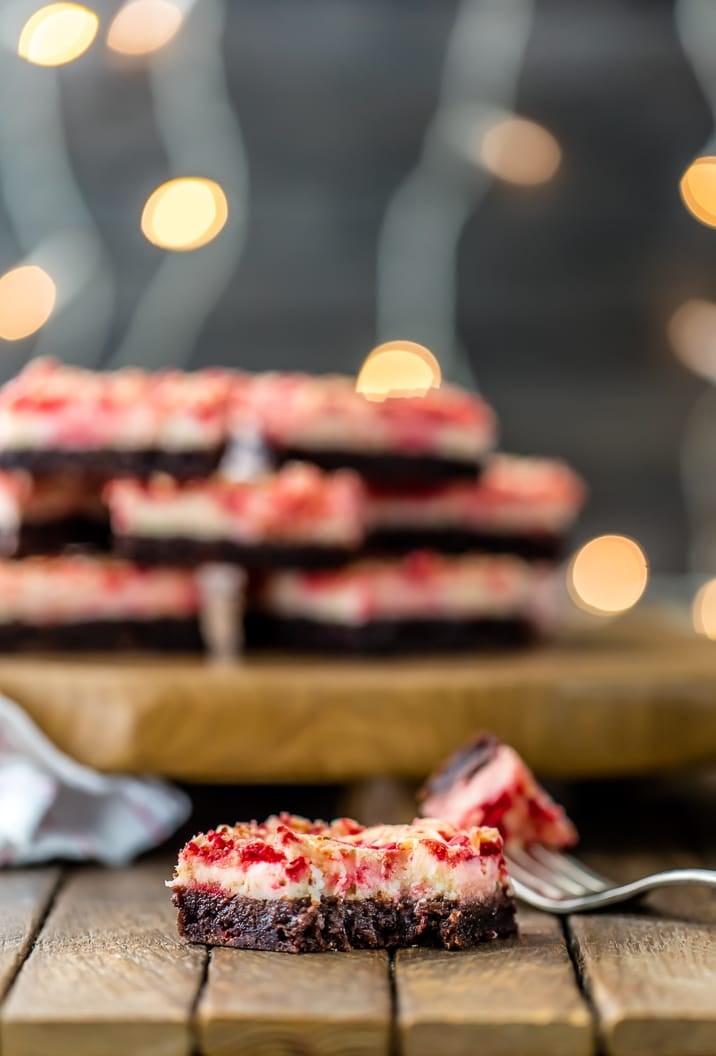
(558, 883)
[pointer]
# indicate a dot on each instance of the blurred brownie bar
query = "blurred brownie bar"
(297, 886)
(78, 602)
(523, 506)
(56, 418)
(402, 440)
(297, 517)
(423, 602)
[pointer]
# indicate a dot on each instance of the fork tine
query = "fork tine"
(555, 877)
(568, 866)
(530, 881)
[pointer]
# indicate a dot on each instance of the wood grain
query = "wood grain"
(652, 974)
(518, 996)
(108, 974)
(652, 982)
(277, 1004)
(633, 698)
(24, 897)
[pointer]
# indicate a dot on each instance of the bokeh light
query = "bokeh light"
(185, 213)
(608, 575)
(698, 189)
(143, 26)
(692, 333)
(520, 151)
(704, 610)
(27, 298)
(57, 34)
(398, 368)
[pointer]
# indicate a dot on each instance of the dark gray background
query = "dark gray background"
(565, 290)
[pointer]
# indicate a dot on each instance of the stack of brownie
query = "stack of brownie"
(363, 526)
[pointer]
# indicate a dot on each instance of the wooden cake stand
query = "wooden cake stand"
(633, 697)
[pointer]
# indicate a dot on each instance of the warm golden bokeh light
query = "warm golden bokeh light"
(520, 151)
(608, 575)
(57, 33)
(143, 26)
(698, 189)
(185, 213)
(692, 333)
(704, 610)
(398, 368)
(27, 298)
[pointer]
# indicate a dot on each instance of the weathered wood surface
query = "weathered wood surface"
(518, 996)
(652, 981)
(108, 975)
(24, 898)
(636, 697)
(650, 970)
(317, 1004)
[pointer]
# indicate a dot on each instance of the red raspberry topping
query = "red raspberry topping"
(297, 869)
(490, 847)
(495, 811)
(257, 851)
(217, 845)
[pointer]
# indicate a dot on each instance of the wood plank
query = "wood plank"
(315, 1004)
(518, 996)
(651, 972)
(24, 897)
(633, 698)
(108, 975)
(653, 983)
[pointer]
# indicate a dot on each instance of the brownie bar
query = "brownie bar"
(485, 782)
(300, 925)
(160, 635)
(109, 463)
(385, 637)
(384, 468)
(456, 541)
(187, 553)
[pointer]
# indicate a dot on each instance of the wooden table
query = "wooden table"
(90, 963)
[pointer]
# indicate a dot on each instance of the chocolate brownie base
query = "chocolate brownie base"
(161, 635)
(108, 463)
(385, 637)
(456, 541)
(187, 553)
(385, 468)
(56, 537)
(301, 926)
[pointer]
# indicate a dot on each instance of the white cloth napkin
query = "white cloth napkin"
(51, 807)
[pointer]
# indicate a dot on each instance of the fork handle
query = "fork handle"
(622, 893)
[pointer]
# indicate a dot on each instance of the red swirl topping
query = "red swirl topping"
(290, 839)
(297, 408)
(47, 590)
(297, 501)
(66, 406)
